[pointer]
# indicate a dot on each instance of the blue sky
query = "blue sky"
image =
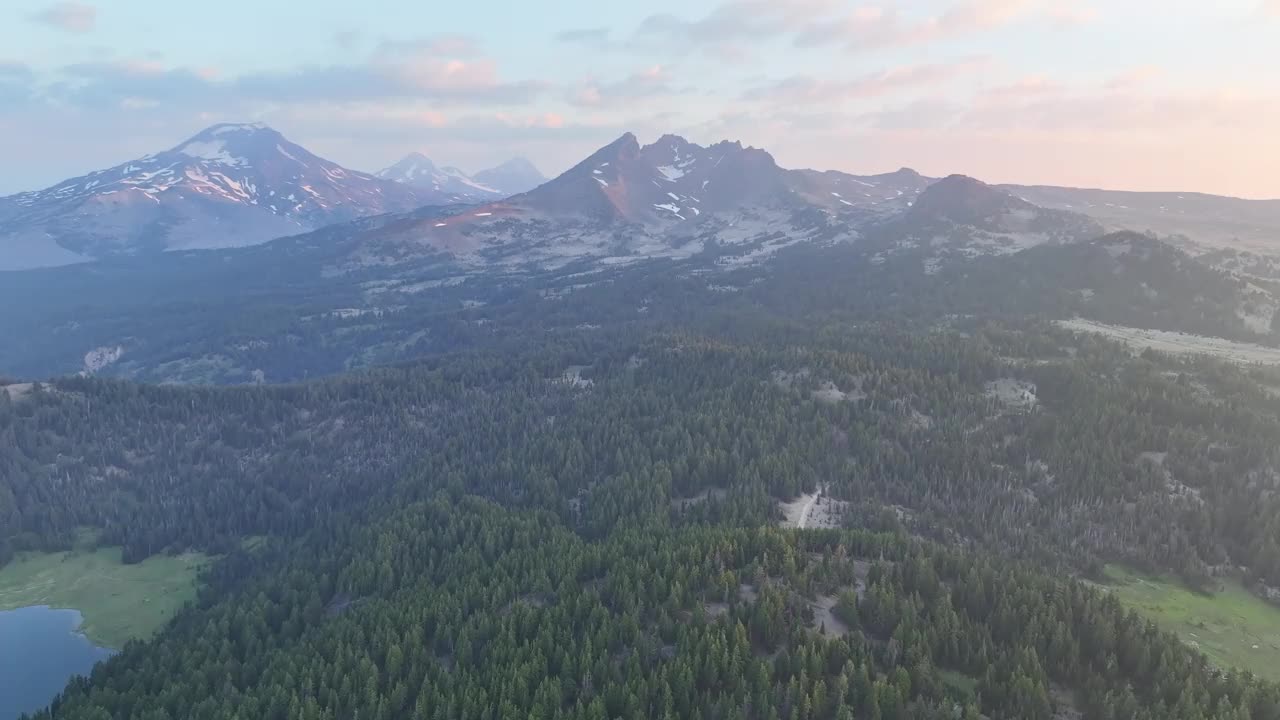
(1131, 94)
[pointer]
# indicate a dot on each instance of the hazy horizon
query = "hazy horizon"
(1008, 91)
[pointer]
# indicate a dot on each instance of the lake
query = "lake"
(39, 651)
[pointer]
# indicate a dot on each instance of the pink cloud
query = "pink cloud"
(649, 82)
(1029, 86)
(548, 120)
(433, 74)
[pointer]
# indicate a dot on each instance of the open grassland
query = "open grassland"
(1177, 343)
(1233, 627)
(118, 602)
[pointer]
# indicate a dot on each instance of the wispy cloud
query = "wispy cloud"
(73, 17)
(590, 37)
(1136, 77)
(650, 82)
(394, 74)
(728, 30)
(1071, 14)
(347, 39)
(450, 45)
(806, 90)
(873, 27)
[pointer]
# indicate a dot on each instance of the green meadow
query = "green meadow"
(118, 602)
(1233, 627)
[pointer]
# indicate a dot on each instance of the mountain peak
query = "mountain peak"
(227, 131)
(669, 141)
(964, 200)
(512, 177)
(625, 147)
(516, 163)
(417, 170)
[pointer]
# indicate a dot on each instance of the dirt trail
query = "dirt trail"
(804, 514)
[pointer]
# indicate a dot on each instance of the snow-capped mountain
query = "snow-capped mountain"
(417, 170)
(510, 178)
(231, 185)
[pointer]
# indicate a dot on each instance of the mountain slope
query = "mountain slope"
(231, 185)
(512, 177)
(960, 217)
(1123, 278)
(1207, 222)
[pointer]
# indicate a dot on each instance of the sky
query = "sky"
(1124, 94)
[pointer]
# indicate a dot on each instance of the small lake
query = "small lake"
(40, 649)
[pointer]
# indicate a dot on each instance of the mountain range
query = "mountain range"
(235, 185)
(510, 178)
(675, 199)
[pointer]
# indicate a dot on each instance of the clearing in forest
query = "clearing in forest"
(1233, 627)
(1179, 343)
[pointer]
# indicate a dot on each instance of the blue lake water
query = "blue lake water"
(40, 649)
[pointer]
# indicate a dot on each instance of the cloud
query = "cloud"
(1135, 77)
(650, 82)
(1135, 111)
(1271, 8)
(73, 17)
(394, 74)
(16, 83)
(347, 39)
(874, 27)
(590, 37)
(807, 90)
(726, 28)
(1071, 15)
(734, 30)
(1029, 86)
(449, 45)
(918, 114)
(12, 70)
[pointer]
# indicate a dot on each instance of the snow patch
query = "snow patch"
(670, 173)
(215, 150)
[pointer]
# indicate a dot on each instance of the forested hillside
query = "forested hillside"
(575, 517)
(456, 608)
